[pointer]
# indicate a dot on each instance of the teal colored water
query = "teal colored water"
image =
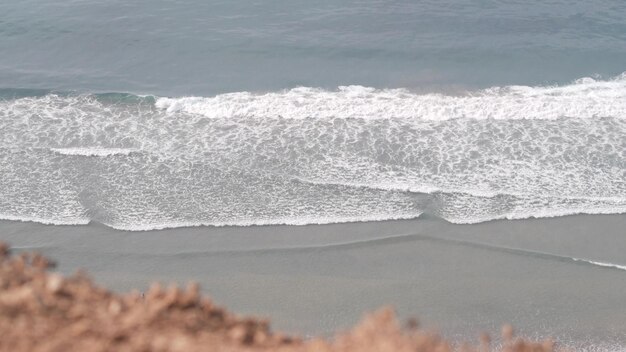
(175, 48)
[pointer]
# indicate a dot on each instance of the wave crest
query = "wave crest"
(309, 155)
(95, 151)
(585, 98)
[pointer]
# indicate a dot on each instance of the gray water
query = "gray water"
(192, 47)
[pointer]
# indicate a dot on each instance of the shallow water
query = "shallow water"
(461, 279)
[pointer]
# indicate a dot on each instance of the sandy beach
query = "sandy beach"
(537, 274)
(46, 311)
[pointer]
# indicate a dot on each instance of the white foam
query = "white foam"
(481, 193)
(468, 219)
(296, 221)
(45, 221)
(234, 159)
(603, 264)
(585, 98)
(94, 151)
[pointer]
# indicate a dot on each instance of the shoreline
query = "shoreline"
(310, 279)
(295, 222)
(73, 313)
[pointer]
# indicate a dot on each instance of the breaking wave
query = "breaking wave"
(308, 155)
(585, 98)
(93, 151)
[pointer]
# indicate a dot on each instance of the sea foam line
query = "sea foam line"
(303, 221)
(93, 151)
(45, 221)
(431, 189)
(539, 214)
(603, 264)
(300, 221)
(584, 98)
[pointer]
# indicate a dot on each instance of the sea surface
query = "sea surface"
(151, 114)
(309, 156)
(144, 115)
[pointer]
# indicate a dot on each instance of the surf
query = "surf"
(308, 155)
(584, 98)
(93, 151)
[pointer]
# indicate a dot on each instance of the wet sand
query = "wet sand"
(319, 278)
(44, 311)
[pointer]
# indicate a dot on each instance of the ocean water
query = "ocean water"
(308, 155)
(203, 48)
(152, 114)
